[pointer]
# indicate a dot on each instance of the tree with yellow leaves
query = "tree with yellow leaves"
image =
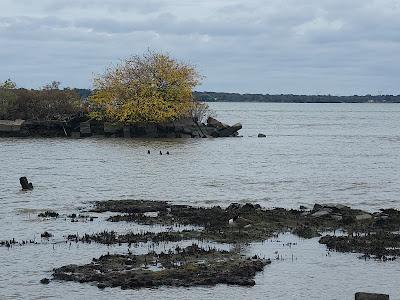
(148, 88)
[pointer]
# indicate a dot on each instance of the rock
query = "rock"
(322, 212)
(46, 235)
(371, 296)
(230, 130)
(110, 128)
(25, 184)
(234, 206)
(337, 217)
(85, 129)
(75, 135)
(336, 206)
(317, 207)
(127, 131)
(261, 135)
(11, 126)
(302, 207)
(48, 214)
(363, 217)
(44, 281)
(306, 232)
(215, 123)
(333, 206)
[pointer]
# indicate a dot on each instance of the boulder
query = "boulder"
(111, 128)
(215, 123)
(363, 217)
(75, 135)
(226, 132)
(127, 131)
(85, 128)
(11, 126)
(323, 212)
(44, 281)
(371, 296)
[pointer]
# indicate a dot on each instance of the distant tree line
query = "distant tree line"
(283, 98)
(289, 98)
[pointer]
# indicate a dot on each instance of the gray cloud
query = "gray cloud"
(307, 46)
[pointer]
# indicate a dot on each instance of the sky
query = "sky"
(338, 47)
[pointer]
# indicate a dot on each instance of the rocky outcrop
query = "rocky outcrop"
(191, 266)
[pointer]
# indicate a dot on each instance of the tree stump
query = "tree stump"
(25, 184)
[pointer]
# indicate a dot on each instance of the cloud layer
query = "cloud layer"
(256, 46)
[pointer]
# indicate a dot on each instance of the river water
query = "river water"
(313, 153)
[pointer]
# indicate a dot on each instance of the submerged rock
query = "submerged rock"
(44, 281)
(48, 214)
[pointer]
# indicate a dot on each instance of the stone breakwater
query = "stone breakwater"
(79, 127)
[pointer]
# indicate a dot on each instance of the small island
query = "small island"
(149, 95)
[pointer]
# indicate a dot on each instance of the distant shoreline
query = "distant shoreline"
(289, 98)
(283, 98)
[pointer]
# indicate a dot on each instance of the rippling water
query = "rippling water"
(345, 153)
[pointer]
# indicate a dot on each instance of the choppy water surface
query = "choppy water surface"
(346, 153)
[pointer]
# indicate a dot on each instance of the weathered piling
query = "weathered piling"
(25, 184)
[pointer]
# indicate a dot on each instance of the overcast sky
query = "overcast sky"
(339, 47)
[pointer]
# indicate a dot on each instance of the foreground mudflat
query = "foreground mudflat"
(374, 235)
(190, 266)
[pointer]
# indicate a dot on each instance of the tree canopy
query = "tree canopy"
(148, 88)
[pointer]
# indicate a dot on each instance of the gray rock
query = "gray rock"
(323, 212)
(335, 206)
(215, 123)
(11, 126)
(110, 128)
(75, 135)
(337, 217)
(127, 131)
(44, 281)
(85, 128)
(363, 217)
(230, 130)
(371, 296)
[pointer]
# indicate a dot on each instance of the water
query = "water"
(345, 153)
